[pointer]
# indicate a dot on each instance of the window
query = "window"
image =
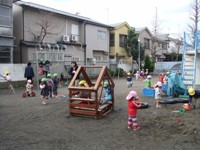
(5, 16)
(51, 56)
(4, 54)
(146, 43)
(75, 59)
(122, 40)
(112, 39)
(101, 34)
(164, 46)
(105, 58)
(98, 58)
(74, 29)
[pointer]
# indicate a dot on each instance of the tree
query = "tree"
(194, 18)
(43, 27)
(132, 46)
(156, 31)
(148, 64)
(178, 45)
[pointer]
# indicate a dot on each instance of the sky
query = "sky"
(173, 15)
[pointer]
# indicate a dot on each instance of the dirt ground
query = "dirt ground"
(26, 124)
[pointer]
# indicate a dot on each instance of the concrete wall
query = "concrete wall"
(16, 71)
(165, 66)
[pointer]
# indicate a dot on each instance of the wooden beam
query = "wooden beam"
(83, 105)
(83, 112)
(86, 77)
(82, 99)
(100, 77)
(75, 76)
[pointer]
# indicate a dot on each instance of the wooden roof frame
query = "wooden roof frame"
(92, 87)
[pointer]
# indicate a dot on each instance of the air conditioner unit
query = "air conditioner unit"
(65, 38)
(74, 38)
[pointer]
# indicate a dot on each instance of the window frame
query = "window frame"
(122, 43)
(112, 39)
(101, 34)
(7, 18)
(4, 50)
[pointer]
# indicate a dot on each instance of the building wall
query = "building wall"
(145, 34)
(116, 48)
(17, 32)
(57, 25)
(6, 32)
(93, 42)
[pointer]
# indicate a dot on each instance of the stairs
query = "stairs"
(189, 71)
(189, 62)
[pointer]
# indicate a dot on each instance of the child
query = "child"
(56, 84)
(129, 80)
(29, 87)
(133, 105)
(83, 94)
(142, 74)
(50, 85)
(8, 79)
(165, 79)
(137, 75)
(158, 93)
(44, 90)
(107, 96)
(161, 77)
(148, 82)
(146, 73)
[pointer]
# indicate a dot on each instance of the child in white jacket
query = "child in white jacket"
(158, 94)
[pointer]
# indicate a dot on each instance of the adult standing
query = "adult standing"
(73, 70)
(29, 73)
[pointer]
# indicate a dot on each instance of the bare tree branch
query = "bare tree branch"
(45, 26)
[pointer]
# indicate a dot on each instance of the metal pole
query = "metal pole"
(139, 53)
(37, 75)
(38, 48)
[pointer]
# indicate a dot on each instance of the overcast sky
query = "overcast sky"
(173, 14)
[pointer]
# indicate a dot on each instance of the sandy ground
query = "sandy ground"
(25, 124)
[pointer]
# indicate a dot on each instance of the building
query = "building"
(144, 36)
(58, 36)
(118, 55)
(6, 31)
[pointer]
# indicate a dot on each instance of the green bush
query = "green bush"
(148, 64)
(112, 73)
(119, 71)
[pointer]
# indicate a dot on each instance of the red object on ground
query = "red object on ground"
(178, 120)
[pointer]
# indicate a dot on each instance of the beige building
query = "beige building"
(58, 36)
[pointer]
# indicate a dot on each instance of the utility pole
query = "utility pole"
(139, 53)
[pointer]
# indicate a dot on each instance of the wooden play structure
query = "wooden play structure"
(90, 106)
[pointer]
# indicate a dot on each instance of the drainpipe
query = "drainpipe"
(85, 56)
(22, 34)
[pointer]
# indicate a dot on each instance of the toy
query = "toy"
(186, 107)
(25, 94)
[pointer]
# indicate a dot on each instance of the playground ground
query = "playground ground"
(25, 124)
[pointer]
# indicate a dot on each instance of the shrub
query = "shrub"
(119, 71)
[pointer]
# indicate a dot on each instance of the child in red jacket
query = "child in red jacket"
(133, 105)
